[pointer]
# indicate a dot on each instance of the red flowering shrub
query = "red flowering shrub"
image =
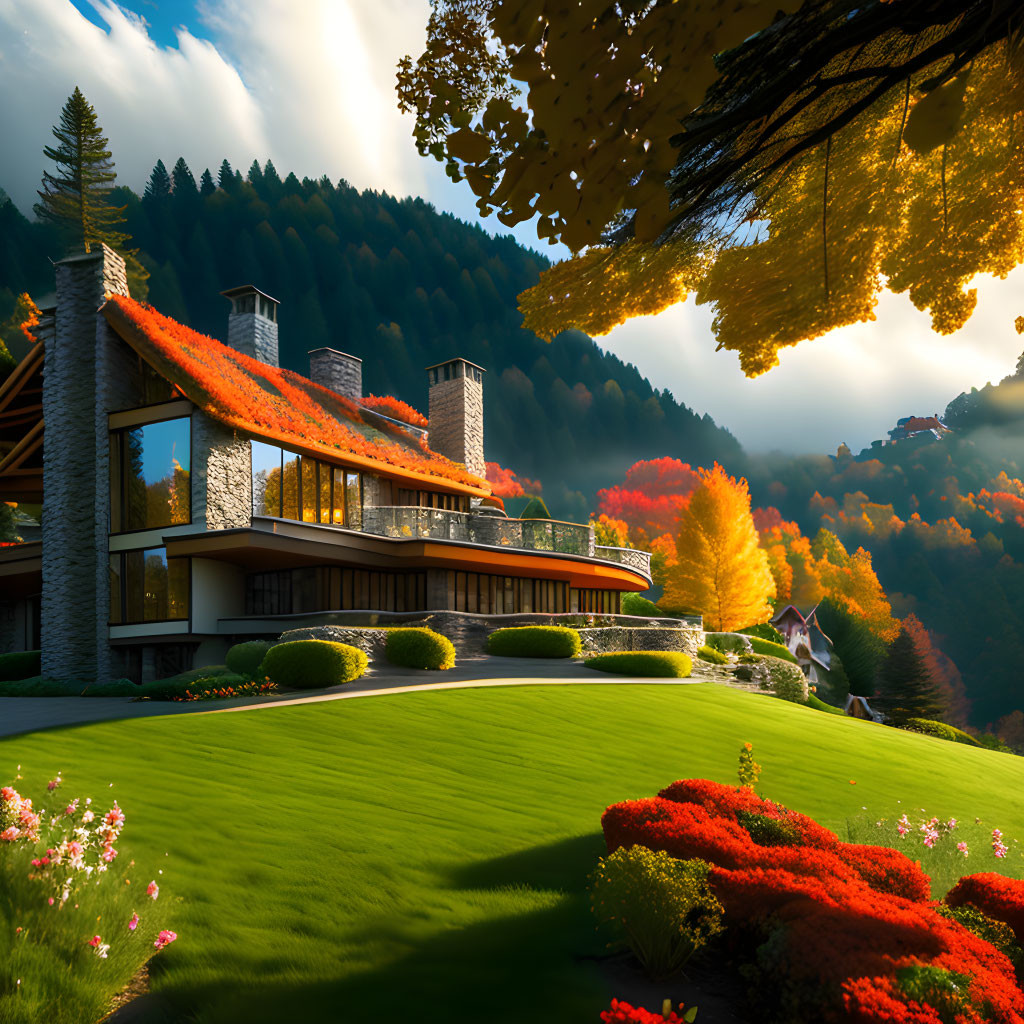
(396, 409)
(837, 932)
(993, 894)
(623, 1013)
(268, 401)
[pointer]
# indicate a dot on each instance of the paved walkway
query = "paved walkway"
(30, 714)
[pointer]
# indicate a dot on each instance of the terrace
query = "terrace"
(491, 529)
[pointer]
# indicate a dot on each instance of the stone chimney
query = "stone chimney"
(456, 412)
(83, 382)
(337, 371)
(252, 323)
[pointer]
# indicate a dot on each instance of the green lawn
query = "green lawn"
(423, 856)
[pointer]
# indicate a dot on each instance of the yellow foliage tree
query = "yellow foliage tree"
(721, 570)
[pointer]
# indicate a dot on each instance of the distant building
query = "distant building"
(807, 642)
(917, 427)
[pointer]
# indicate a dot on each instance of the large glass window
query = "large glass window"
(147, 586)
(150, 476)
(287, 486)
(325, 588)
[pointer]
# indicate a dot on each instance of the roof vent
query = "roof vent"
(337, 371)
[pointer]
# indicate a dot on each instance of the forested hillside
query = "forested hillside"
(402, 286)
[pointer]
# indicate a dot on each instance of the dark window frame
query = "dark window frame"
(122, 583)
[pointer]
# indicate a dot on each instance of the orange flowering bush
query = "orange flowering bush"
(396, 409)
(268, 401)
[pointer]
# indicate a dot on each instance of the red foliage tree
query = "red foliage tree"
(651, 496)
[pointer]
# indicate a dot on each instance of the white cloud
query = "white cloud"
(852, 385)
(152, 102)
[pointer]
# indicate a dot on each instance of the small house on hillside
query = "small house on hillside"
(807, 642)
(858, 707)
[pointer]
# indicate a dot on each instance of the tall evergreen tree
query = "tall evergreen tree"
(75, 197)
(183, 182)
(906, 688)
(159, 186)
(225, 176)
(206, 185)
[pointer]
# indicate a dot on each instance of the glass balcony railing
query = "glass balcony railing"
(403, 521)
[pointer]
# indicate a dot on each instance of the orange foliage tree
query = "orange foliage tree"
(505, 484)
(721, 571)
(792, 563)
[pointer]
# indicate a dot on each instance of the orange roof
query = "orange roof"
(277, 404)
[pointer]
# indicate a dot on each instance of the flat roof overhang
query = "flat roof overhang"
(282, 544)
(21, 569)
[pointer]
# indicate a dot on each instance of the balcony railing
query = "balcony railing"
(404, 521)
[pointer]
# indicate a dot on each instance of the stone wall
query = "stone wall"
(456, 414)
(469, 632)
(254, 335)
(337, 371)
(221, 475)
(85, 379)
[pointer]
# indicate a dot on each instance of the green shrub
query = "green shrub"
(661, 908)
(535, 509)
(768, 831)
(535, 642)
(728, 643)
(818, 704)
(786, 681)
(766, 631)
(665, 664)
(707, 653)
(245, 659)
(307, 664)
(941, 730)
(19, 665)
(988, 929)
(774, 650)
(636, 604)
(419, 648)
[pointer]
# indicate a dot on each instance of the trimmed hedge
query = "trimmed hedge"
(535, 642)
(818, 704)
(245, 658)
(635, 604)
(772, 649)
(729, 643)
(663, 664)
(706, 653)
(941, 730)
(19, 665)
(419, 648)
(309, 664)
(766, 631)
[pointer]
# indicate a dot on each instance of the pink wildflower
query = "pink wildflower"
(74, 849)
(50, 901)
(95, 941)
(115, 816)
(153, 890)
(88, 816)
(962, 847)
(53, 784)
(10, 795)
(165, 938)
(108, 854)
(133, 923)
(10, 834)
(71, 808)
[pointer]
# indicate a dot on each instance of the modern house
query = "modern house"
(195, 493)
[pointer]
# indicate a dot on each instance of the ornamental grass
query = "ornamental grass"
(832, 931)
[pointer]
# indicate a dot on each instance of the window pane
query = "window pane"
(266, 479)
(156, 585)
(134, 586)
(353, 501)
(338, 510)
(309, 490)
(177, 588)
(116, 611)
(115, 481)
(156, 478)
(290, 486)
(325, 493)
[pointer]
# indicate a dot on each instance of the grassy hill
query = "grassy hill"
(425, 855)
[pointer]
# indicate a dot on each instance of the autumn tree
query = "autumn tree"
(778, 159)
(76, 197)
(17, 327)
(721, 571)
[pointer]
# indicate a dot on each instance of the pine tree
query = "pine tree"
(159, 187)
(225, 176)
(183, 182)
(75, 198)
(722, 572)
(906, 688)
(206, 185)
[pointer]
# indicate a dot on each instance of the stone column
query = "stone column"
(81, 386)
(456, 413)
(221, 475)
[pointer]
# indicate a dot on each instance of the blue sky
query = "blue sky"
(310, 84)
